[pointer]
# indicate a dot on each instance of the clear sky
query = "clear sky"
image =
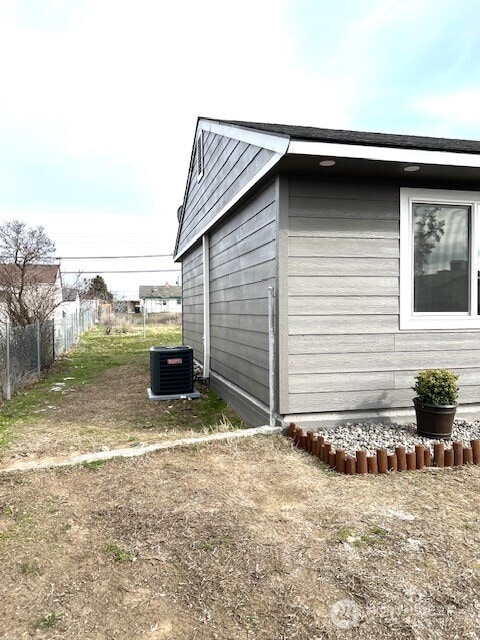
(99, 100)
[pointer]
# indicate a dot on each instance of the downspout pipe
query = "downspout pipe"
(271, 353)
(206, 306)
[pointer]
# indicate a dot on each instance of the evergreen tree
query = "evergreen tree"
(98, 290)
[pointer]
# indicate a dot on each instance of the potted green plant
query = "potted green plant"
(435, 402)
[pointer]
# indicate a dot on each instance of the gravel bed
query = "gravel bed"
(373, 436)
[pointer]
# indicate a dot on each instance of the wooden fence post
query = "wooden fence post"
(382, 459)
(362, 465)
(439, 454)
(475, 444)
(457, 453)
(401, 458)
(449, 457)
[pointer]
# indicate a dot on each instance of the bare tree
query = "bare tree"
(30, 285)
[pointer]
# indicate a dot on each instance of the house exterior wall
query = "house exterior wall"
(346, 353)
(51, 292)
(242, 267)
(161, 305)
(192, 317)
(66, 308)
(228, 166)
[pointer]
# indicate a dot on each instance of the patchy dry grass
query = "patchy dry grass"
(233, 540)
(96, 397)
(247, 539)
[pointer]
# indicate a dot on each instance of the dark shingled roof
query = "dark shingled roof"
(69, 295)
(339, 136)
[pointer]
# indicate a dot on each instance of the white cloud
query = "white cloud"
(453, 109)
(127, 80)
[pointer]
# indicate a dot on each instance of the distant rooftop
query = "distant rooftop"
(69, 295)
(157, 291)
(34, 273)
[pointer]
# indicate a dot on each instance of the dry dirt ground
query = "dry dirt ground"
(111, 412)
(246, 540)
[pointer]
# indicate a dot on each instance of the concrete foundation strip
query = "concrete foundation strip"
(132, 452)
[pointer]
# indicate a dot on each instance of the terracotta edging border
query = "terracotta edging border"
(383, 462)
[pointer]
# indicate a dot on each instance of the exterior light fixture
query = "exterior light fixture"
(412, 168)
(327, 163)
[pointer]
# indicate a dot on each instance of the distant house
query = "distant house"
(371, 243)
(158, 299)
(126, 306)
(33, 293)
(70, 301)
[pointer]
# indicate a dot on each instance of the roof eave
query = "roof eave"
(381, 153)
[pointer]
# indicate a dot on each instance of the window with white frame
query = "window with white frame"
(439, 259)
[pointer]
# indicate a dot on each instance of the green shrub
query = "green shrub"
(436, 386)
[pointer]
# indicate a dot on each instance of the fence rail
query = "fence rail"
(26, 351)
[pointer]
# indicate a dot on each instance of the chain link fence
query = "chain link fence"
(137, 319)
(26, 351)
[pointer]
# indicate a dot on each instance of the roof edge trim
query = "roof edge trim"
(387, 154)
(271, 141)
(245, 189)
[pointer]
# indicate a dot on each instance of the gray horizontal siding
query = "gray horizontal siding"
(349, 400)
(347, 207)
(192, 292)
(238, 338)
(250, 252)
(340, 285)
(248, 375)
(236, 229)
(339, 304)
(228, 166)
(241, 277)
(469, 377)
(344, 228)
(318, 266)
(247, 410)
(344, 247)
(250, 292)
(382, 361)
(360, 400)
(321, 325)
(345, 349)
(323, 382)
(340, 344)
(242, 267)
(431, 341)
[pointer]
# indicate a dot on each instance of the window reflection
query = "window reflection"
(441, 258)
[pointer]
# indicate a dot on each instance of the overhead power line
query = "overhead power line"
(159, 255)
(80, 271)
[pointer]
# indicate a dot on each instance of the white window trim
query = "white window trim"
(422, 321)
